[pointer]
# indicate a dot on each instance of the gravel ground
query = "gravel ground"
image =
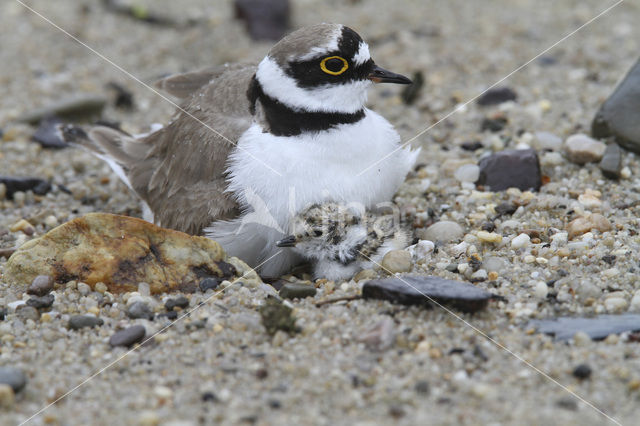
(218, 365)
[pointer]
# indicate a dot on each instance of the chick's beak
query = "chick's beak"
(289, 241)
(380, 75)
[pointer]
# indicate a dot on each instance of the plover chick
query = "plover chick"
(340, 241)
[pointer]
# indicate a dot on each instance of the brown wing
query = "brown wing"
(185, 84)
(182, 177)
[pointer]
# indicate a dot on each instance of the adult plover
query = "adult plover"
(340, 241)
(253, 145)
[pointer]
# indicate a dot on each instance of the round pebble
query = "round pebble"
(41, 285)
(13, 377)
(444, 231)
(77, 322)
(521, 241)
(467, 173)
(397, 261)
(129, 336)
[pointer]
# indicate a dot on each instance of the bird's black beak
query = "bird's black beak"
(289, 241)
(380, 75)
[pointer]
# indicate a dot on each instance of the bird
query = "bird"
(341, 240)
(251, 145)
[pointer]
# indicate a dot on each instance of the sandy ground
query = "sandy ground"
(219, 365)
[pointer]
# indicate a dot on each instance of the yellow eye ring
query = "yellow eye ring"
(323, 66)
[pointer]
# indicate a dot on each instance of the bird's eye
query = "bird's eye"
(334, 65)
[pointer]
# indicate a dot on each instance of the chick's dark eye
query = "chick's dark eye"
(334, 65)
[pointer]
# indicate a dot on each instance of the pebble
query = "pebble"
(47, 134)
(41, 285)
(584, 224)
(397, 261)
(177, 302)
(618, 115)
(380, 336)
(13, 377)
(76, 107)
(611, 163)
(496, 96)
(421, 289)
(551, 159)
(489, 237)
(128, 336)
(421, 250)
(582, 371)
(3, 313)
(521, 241)
(139, 310)
(277, 318)
(510, 169)
(77, 322)
(24, 226)
(615, 304)
(7, 396)
(297, 291)
(25, 312)
(41, 302)
(467, 173)
(265, 19)
(541, 289)
(14, 185)
(547, 141)
(597, 328)
(209, 284)
(582, 149)
(444, 231)
(83, 288)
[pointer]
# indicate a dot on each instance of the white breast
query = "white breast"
(313, 168)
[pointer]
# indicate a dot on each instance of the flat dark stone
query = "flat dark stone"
(82, 106)
(611, 162)
(296, 290)
(512, 168)
(178, 302)
(472, 146)
(129, 336)
(41, 285)
(598, 328)
(265, 19)
(3, 313)
(13, 377)
(619, 115)
(41, 302)
(15, 184)
(47, 134)
(413, 290)
(496, 96)
(210, 283)
(493, 124)
(77, 322)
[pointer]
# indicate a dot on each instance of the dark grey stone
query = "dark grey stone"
(3, 313)
(412, 290)
(177, 302)
(13, 377)
(139, 310)
(611, 162)
(41, 285)
(209, 283)
(582, 371)
(83, 106)
(265, 19)
(77, 322)
(297, 290)
(24, 184)
(496, 96)
(129, 336)
(619, 115)
(598, 328)
(47, 134)
(26, 312)
(41, 302)
(512, 168)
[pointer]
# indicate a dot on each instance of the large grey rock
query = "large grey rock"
(424, 290)
(598, 328)
(619, 115)
(519, 168)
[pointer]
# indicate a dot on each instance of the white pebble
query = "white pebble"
(520, 241)
(615, 304)
(467, 173)
(541, 290)
(421, 250)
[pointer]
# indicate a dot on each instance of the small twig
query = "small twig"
(339, 299)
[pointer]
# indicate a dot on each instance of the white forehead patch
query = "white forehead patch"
(362, 55)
